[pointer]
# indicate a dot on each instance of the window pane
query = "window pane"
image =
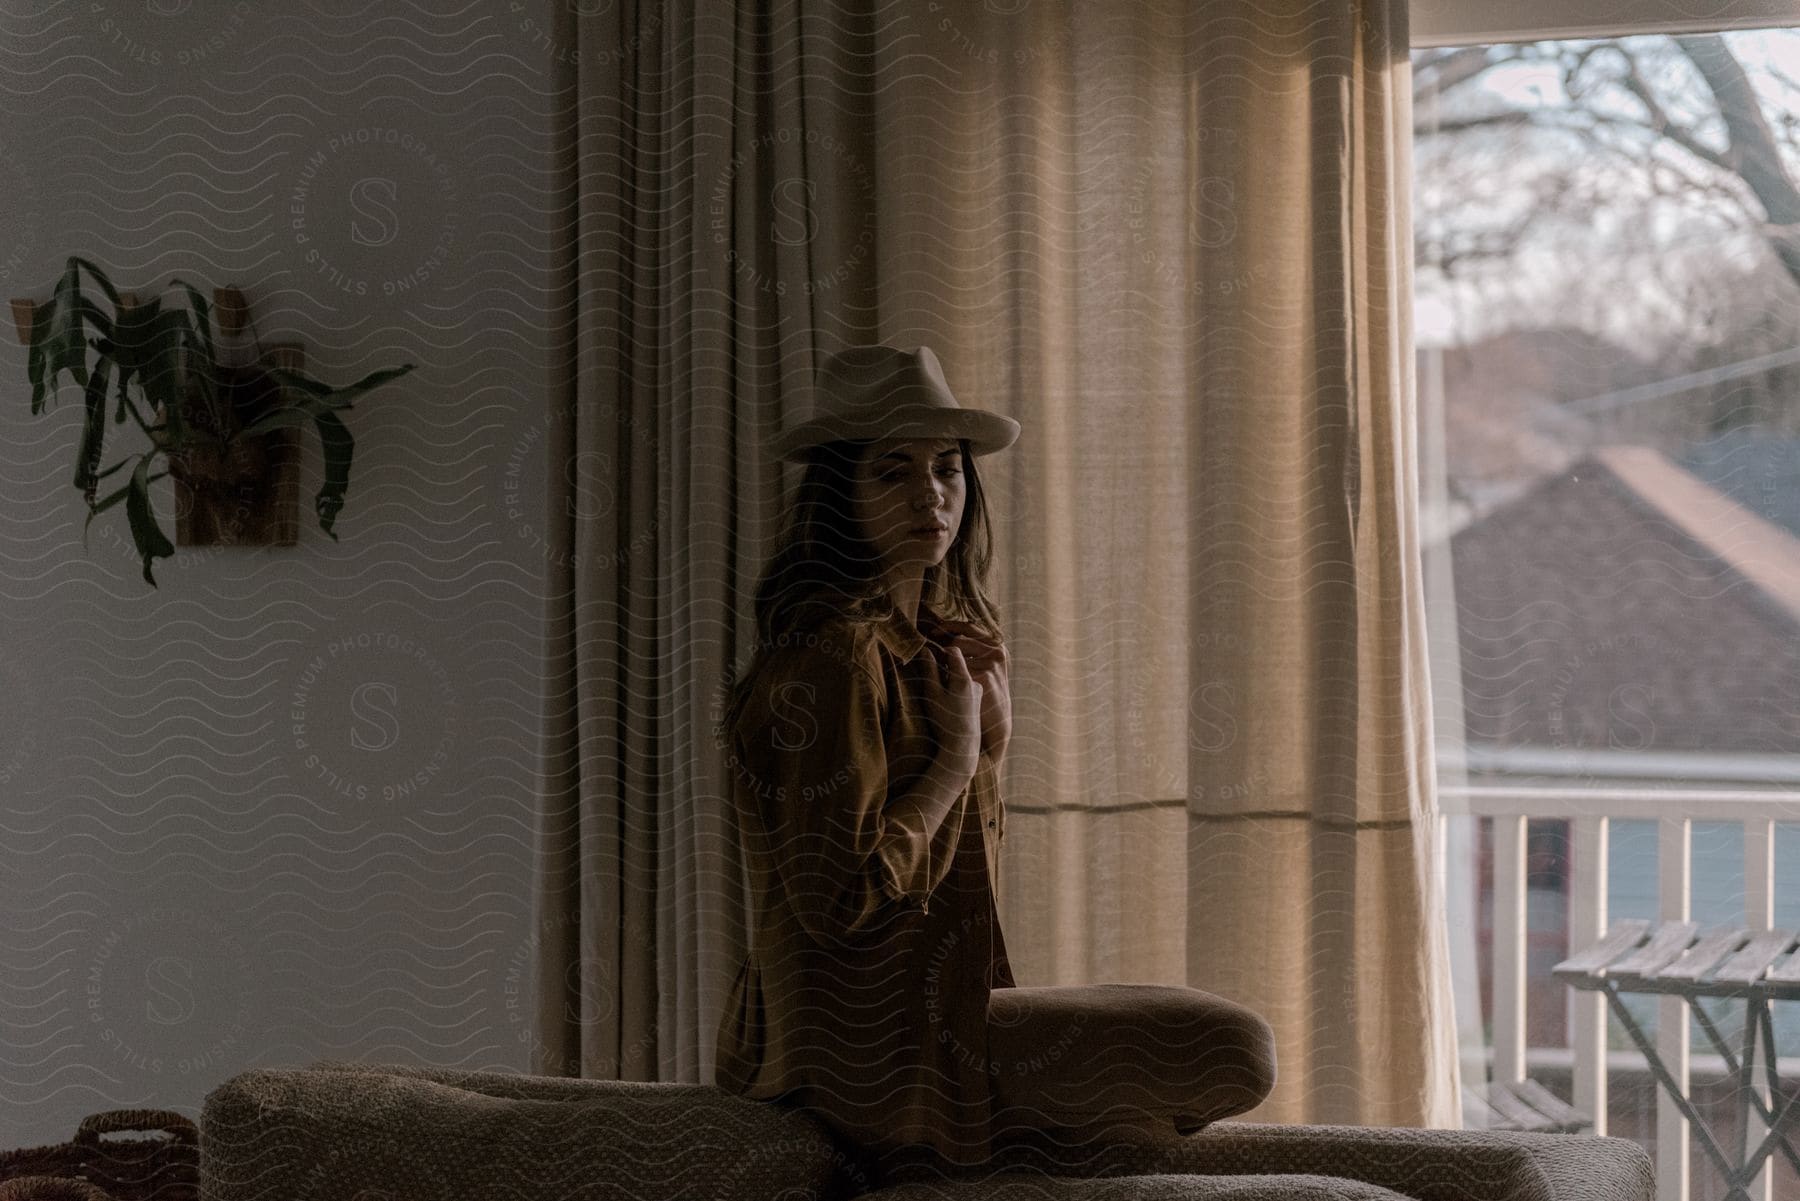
(1607, 310)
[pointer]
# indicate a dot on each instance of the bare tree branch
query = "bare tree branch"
(1751, 149)
(1712, 183)
(1513, 118)
(1671, 124)
(1660, 122)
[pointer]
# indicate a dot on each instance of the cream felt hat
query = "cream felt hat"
(885, 392)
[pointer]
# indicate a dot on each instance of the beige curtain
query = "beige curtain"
(714, 165)
(1312, 812)
(1172, 240)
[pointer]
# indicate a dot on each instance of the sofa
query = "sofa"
(343, 1131)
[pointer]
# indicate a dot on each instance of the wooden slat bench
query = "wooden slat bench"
(1723, 962)
(1521, 1105)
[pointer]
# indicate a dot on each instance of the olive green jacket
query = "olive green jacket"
(876, 943)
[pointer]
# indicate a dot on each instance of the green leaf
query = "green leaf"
(338, 398)
(338, 445)
(94, 316)
(194, 330)
(35, 360)
(92, 269)
(131, 342)
(152, 543)
(58, 341)
(150, 345)
(203, 319)
(93, 432)
(111, 500)
(286, 417)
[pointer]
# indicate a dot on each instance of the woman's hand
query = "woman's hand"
(955, 708)
(989, 662)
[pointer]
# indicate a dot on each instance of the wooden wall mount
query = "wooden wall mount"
(259, 507)
(231, 313)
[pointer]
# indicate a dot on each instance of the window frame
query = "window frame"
(1437, 23)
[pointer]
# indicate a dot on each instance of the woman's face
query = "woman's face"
(907, 483)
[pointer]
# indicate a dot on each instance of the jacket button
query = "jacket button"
(990, 823)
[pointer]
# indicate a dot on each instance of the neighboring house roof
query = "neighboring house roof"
(1624, 604)
(1758, 471)
(1511, 422)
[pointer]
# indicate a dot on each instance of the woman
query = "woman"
(864, 740)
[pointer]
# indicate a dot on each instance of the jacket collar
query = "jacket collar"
(902, 636)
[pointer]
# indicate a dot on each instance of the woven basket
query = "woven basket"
(86, 1168)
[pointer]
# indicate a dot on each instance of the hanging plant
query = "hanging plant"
(208, 419)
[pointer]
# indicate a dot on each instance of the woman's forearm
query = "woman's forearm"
(924, 806)
(912, 820)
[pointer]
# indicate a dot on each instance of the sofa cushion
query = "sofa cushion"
(1030, 1187)
(1118, 1055)
(1428, 1165)
(321, 1135)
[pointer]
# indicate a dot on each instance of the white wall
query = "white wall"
(282, 807)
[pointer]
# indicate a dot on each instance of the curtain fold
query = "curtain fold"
(1313, 821)
(1174, 242)
(703, 153)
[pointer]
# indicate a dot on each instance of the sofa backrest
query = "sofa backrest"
(335, 1131)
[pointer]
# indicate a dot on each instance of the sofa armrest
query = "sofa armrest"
(1431, 1165)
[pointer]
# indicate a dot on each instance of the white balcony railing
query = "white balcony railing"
(1589, 810)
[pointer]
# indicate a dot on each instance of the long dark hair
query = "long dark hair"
(823, 567)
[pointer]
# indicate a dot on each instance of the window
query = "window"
(1607, 310)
